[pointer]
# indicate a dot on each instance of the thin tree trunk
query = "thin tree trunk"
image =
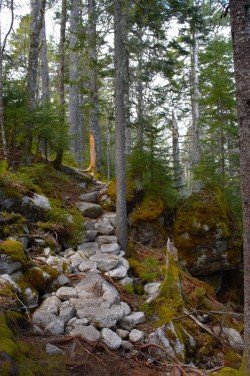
(128, 138)
(240, 25)
(176, 152)
(73, 77)
(120, 166)
(4, 141)
(195, 96)
(37, 14)
(94, 133)
(59, 155)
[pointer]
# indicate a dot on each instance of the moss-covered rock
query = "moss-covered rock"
(206, 234)
(14, 250)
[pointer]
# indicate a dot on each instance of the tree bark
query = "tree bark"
(176, 152)
(3, 133)
(120, 166)
(240, 26)
(94, 133)
(59, 155)
(73, 77)
(195, 96)
(44, 64)
(37, 13)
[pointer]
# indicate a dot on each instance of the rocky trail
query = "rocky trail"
(86, 317)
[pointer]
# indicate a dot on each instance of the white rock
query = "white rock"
(234, 338)
(67, 311)
(126, 281)
(47, 251)
(104, 228)
(42, 318)
(136, 336)
(87, 265)
(130, 321)
(106, 239)
(152, 288)
(111, 339)
(105, 262)
(37, 200)
(119, 272)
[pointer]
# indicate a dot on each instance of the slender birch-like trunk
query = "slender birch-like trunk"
(3, 133)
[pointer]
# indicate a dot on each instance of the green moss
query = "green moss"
(226, 372)
(200, 220)
(14, 224)
(148, 209)
(37, 278)
(148, 269)
(170, 302)
(13, 249)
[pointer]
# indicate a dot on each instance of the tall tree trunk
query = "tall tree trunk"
(59, 155)
(195, 96)
(120, 165)
(240, 25)
(4, 141)
(37, 14)
(44, 64)
(176, 152)
(45, 97)
(128, 139)
(94, 133)
(73, 77)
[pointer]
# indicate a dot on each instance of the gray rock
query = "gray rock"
(106, 262)
(52, 304)
(53, 350)
(100, 317)
(89, 333)
(85, 266)
(7, 266)
(62, 280)
(111, 339)
(89, 225)
(62, 265)
(129, 322)
(7, 279)
(47, 251)
(123, 334)
(83, 186)
(152, 288)
(90, 197)
(65, 293)
(67, 311)
(126, 281)
(119, 272)
(136, 336)
(89, 210)
(113, 248)
(104, 228)
(127, 345)
(89, 236)
(31, 297)
(106, 239)
(36, 200)
(55, 327)
(88, 249)
(42, 318)
(86, 302)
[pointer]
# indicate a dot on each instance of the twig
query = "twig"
(23, 305)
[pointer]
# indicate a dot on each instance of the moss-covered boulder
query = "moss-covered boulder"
(147, 222)
(206, 234)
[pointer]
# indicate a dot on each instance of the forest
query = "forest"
(124, 187)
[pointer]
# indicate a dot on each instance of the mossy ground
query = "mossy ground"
(15, 250)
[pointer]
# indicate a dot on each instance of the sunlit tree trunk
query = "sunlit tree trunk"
(61, 88)
(94, 133)
(120, 160)
(240, 25)
(37, 14)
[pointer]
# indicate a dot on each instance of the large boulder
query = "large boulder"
(206, 234)
(89, 209)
